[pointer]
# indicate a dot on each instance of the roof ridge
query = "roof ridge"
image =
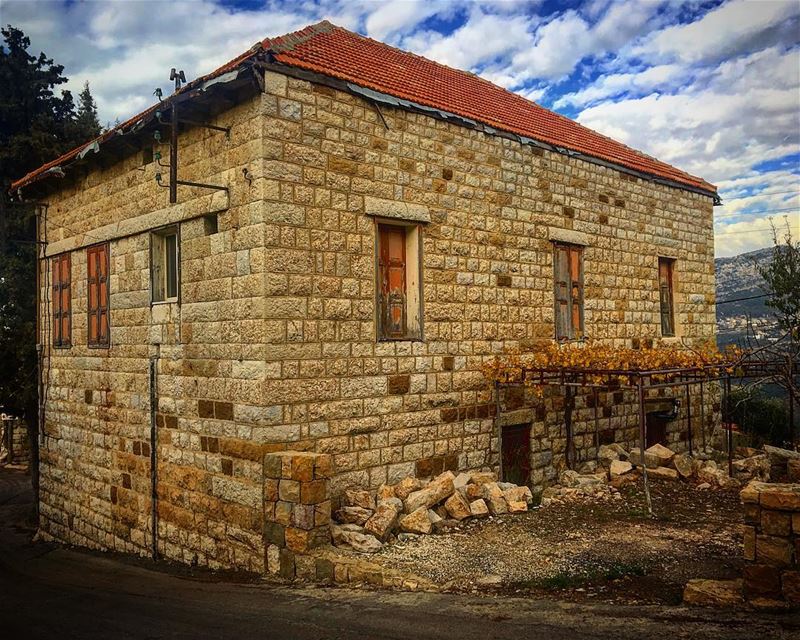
(288, 41)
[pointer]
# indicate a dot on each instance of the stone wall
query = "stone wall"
(771, 543)
(273, 343)
(15, 447)
(297, 513)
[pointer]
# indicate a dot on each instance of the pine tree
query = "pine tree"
(87, 122)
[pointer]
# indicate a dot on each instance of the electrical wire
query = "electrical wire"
(728, 233)
(761, 295)
(748, 213)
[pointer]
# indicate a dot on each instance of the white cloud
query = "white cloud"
(563, 42)
(738, 237)
(729, 30)
(609, 86)
(715, 95)
(718, 127)
(401, 16)
(481, 39)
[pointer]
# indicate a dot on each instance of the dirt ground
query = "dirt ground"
(600, 551)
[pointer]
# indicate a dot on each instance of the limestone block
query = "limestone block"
(433, 493)
(774, 550)
(457, 506)
(383, 521)
(417, 521)
(478, 508)
(761, 581)
(775, 523)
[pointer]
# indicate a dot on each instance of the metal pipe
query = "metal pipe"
(154, 455)
(173, 156)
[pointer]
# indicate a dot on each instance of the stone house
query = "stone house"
(319, 255)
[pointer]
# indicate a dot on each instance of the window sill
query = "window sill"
(155, 303)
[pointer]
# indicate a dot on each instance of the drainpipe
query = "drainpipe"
(154, 455)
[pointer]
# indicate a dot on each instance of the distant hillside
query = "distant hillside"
(737, 278)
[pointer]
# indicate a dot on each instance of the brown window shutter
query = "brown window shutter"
(97, 281)
(66, 301)
(666, 297)
(392, 275)
(56, 300)
(61, 301)
(562, 292)
(576, 290)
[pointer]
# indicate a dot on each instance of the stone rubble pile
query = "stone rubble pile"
(417, 507)
(616, 467)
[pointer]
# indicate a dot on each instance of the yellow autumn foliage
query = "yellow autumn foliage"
(601, 364)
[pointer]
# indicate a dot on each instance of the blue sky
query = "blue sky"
(711, 87)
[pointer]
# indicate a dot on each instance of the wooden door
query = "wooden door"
(516, 451)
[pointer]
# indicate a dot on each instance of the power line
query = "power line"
(728, 233)
(748, 213)
(763, 193)
(762, 295)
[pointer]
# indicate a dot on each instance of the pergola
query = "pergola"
(643, 380)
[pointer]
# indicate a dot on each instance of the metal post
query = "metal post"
(569, 404)
(791, 409)
(703, 415)
(727, 408)
(689, 416)
(596, 426)
(643, 444)
(499, 429)
(173, 156)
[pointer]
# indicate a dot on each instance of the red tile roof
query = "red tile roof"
(335, 52)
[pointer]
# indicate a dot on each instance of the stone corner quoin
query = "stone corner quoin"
(271, 344)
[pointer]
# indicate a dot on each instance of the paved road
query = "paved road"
(50, 592)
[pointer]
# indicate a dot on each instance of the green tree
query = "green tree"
(36, 126)
(782, 275)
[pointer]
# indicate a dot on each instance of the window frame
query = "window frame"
(570, 333)
(668, 314)
(103, 308)
(58, 286)
(158, 245)
(414, 331)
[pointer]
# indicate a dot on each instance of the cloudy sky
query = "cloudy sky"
(711, 87)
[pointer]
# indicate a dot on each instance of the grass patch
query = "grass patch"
(571, 580)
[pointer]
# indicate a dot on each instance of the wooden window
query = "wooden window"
(666, 296)
(164, 265)
(399, 293)
(97, 260)
(568, 281)
(62, 300)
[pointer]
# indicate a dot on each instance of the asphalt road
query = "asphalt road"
(51, 592)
